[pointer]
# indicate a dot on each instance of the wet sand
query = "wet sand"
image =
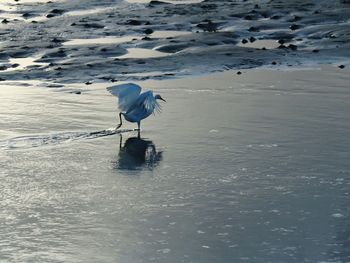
(97, 40)
(251, 167)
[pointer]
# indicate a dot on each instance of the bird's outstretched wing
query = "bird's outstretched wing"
(127, 95)
(146, 103)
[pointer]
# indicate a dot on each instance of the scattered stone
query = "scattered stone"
(3, 68)
(281, 41)
(34, 22)
(296, 18)
(93, 25)
(294, 27)
(239, 73)
(244, 41)
(252, 39)
(57, 40)
(5, 21)
(315, 51)
(1, 79)
(253, 29)
(146, 38)
(15, 65)
(282, 46)
(292, 47)
(26, 15)
(78, 92)
(274, 63)
(341, 66)
(88, 83)
(148, 31)
(133, 22)
(208, 26)
(156, 2)
(57, 11)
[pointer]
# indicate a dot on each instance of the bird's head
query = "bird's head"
(158, 97)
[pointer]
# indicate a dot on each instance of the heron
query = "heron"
(134, 105)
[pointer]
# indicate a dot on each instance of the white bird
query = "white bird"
(134, 105)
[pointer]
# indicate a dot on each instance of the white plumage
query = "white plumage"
(134, 105)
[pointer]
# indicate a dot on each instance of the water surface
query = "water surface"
(237, 168)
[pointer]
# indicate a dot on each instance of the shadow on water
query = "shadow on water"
(33, 141)
(137, 153)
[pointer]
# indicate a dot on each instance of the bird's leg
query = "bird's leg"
(138, 129)
(121, 122)
(120, 141)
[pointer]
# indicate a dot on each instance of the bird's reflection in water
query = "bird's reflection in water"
(137, 153)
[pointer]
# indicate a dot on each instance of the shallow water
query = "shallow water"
(237, 168)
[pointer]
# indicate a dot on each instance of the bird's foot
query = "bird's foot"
(119, 125)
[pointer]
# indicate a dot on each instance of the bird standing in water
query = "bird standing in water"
(134, 105)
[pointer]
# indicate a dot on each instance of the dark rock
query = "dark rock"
(57, 11)
(78, 92)
(93, 25)
(148, 31)
(253, 29)
(341, 66)
(57, 40)
(244, 41)
(34, 22)
(252, 39)
(294, 27)
(295, 18)
(26, 15)
(281, 41)
(315, 51)
(146, 38)
(3, 68)
(5, 21)
(133, 22)
(155, 3)
(88, 83)
(50, 15)
(274, 63)
(208, 26)
(1, 79)
(282, 46)
(292, 47)
(239, 73)
(14, 65)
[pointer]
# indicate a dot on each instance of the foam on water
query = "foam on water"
(34, 141)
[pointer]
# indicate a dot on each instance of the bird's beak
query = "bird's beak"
(162, 99)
